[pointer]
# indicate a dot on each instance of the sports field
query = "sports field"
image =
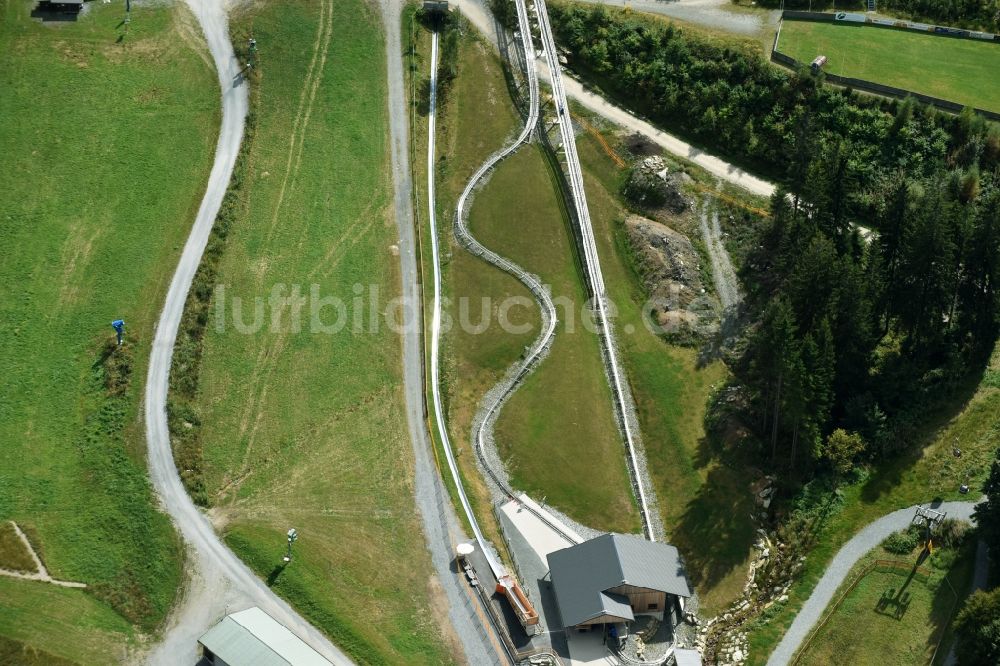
(107, 141)
(960, 70)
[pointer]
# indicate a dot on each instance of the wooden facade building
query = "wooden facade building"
(615, 577)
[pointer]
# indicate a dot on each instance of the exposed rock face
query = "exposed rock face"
(670, 268)
(653, 187)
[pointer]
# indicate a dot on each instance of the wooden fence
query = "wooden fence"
(880, 89)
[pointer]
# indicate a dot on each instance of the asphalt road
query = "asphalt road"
(872, 535)
(218, 581)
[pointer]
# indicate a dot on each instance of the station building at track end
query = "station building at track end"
(613, 578)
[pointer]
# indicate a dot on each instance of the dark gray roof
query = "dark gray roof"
(581, 575)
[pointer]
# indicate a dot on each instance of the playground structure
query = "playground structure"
(929, 519)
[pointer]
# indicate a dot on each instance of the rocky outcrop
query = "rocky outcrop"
(671, 273)
(653, 187)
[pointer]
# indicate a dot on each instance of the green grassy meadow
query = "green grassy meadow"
(108, 139)
(306, 428)
(701, 489)
(929, 473)
(859, 630)
(959, 70)
(558, 430)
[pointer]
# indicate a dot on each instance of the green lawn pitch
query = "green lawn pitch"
(959, 70)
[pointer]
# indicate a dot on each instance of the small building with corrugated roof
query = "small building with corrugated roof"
(254, 638)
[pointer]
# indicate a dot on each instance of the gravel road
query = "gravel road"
(218, 582)
(852, 551)
(715, 14)
(481, 18)
(441, 527)
(727, 285)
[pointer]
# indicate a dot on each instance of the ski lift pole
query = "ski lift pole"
(252, 53)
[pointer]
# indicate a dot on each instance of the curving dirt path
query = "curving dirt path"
(218, 582)
(727, 285)
(872, 535)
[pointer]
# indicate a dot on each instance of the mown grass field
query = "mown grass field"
(558, 430)
(471, 364)
(306, 429)
(703, 500)
(929, 473)
(905, 631)
(960, 70)
(107, 140)
(557, 445)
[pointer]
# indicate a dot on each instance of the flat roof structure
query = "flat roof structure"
(254, 638)
(687, 657)
(588, 578)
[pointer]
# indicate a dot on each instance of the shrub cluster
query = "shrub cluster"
(182, 411)
(902, 542)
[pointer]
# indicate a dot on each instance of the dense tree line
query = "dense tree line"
(866, 336)
(873, 289)
(726, 95)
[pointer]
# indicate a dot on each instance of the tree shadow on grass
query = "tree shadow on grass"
(716, 530)
(890, 475)
(272, 577)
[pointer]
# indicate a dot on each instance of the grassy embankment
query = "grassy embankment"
(700, 496)
(557, 433)
(909, 627)
(929, 473)
(108, 139)
(306, 428)
(959, 70)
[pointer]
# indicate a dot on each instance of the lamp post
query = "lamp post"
(292, 536)
(252, 51)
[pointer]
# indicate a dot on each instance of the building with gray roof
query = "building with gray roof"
(254, 638)
(615, 577)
